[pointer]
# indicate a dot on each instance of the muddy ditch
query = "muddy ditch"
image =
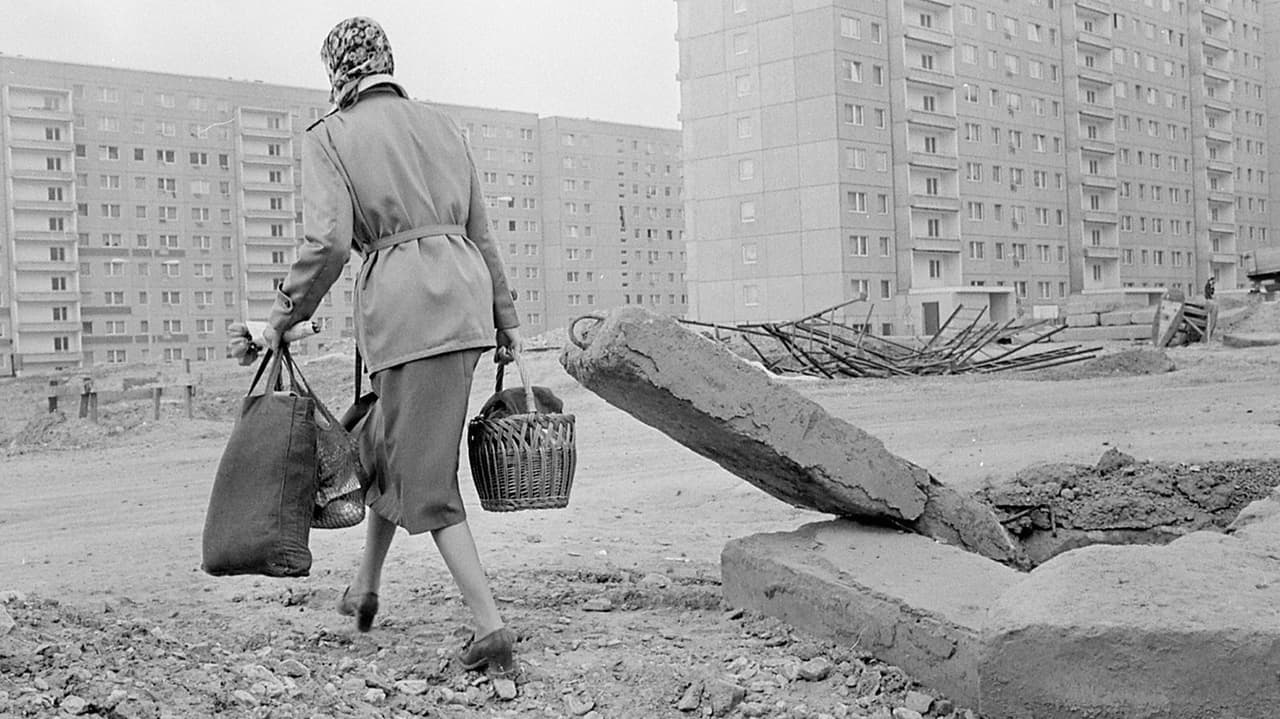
(1056, 507)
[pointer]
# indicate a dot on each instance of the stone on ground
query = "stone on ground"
(910, 601)
(1182, 631)
(735, 414)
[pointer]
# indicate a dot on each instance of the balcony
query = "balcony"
(40, 113)
(1096, 39)
(265, 213)
(277, 133)
(48, 326)
(1102, 217)
(934, 160)
(932, 119)
(59, 206)
(921, 243)
(44, 236)
(1224, 258)
(262, 295)
(1101, 76)
(1216, 73)
(48, 295)
(1226, 197)
(1100, 147)
(109, 310)
(929, 36)
(46, 266)
(1218, 103)
(20, 173)
(1101, 7)
(1220, 166)
(256, 159)
(266, 241)
(933, 78)
(1101, 181)
(262, 268)
(19, 143)
(1216, 42)
(1215, 12)
(939, 3)
(1102, 252)
(1102, 112)
(57, 359)
(938, 203)
(1217, 134)
(1222, 227)
(273, 187)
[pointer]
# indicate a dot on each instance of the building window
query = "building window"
(747, 211)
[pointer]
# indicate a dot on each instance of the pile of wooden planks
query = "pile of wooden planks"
(1180, 322)
(824, 345)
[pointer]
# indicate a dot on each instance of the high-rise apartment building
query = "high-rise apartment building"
(142, 212)
(931, 153)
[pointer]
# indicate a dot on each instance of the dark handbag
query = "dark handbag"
(259, 517)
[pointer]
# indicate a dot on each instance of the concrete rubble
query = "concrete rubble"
(731, 412)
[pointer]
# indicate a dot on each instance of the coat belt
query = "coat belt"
(416, 233)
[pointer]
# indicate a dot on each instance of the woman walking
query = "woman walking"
(396, 180)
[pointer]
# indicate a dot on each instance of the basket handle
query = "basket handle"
(531, 406)
(577, 338)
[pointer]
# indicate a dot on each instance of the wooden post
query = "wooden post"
(155, 401)
(93, 407)
(84, 405)
(191, 394)
(53, 395)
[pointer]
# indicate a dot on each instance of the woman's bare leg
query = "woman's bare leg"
(378, 536)
(458, 548)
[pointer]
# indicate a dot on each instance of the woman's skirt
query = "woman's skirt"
(412, 438)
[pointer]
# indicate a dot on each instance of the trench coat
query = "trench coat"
(395, 180)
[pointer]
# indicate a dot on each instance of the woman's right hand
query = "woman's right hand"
(509, 344)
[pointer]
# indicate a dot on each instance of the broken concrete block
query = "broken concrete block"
(1143, 315)
(1102, 302)
(1118, 317)
(735, 414)
(1183, 631)
(912, 602)
(1087, 319)
(1256, 339)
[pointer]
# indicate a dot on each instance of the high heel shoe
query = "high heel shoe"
(364, 608)
(496, 650)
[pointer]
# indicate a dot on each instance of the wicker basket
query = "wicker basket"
(522, 461)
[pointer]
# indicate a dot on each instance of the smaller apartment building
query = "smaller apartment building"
(142, 212)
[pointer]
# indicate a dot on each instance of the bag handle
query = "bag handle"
(303, 388)
(531, 406)
(272, 363)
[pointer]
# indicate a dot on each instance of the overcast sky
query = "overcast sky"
(604, 59)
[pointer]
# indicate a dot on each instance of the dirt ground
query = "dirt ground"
(616, 598)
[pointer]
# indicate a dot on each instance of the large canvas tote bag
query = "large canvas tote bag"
(259, 518)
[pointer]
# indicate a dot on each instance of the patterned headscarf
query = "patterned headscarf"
(356, 47)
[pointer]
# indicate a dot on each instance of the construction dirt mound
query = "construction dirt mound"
(1052, 508)
(1251, 318)
(1127, 362)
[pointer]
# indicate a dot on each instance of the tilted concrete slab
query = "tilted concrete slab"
(732, 412)
(910, 601)
(1183, 631)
